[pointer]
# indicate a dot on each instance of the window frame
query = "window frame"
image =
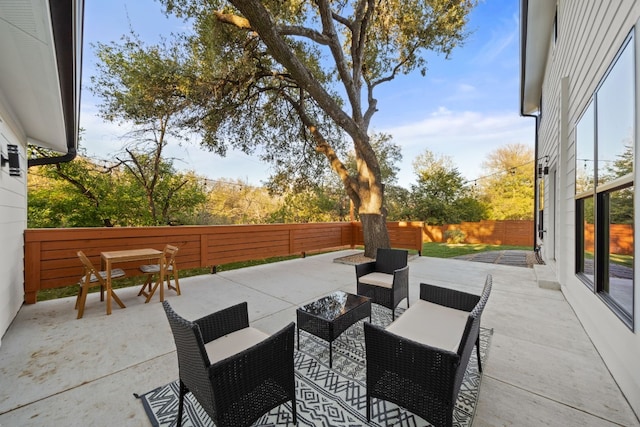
(600, 192)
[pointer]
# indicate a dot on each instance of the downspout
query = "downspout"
(71, 154)
(524, 5)
(67, 24)
(535, 181)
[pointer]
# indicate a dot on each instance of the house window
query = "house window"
(618, 260)
(586, 233)
(605, 189)
(585, 152)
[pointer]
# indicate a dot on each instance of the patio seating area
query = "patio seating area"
(541, 369)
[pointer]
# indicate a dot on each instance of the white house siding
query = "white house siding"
(13, 221)
(590, 34)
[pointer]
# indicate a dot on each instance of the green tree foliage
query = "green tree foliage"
(143, 85)
(311, 205)
(621, 206)
(397, 202)
(440, 195)
(237, 202)
(298, 78)
(83, 194)
(621, 201)
(145, 88)
(80, 194)
(168, 195)
(508, 187)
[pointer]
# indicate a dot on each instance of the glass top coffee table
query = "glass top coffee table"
(330, 316)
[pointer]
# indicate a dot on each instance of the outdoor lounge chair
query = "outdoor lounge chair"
(236, 373)
(171, 269)
(385, 280)
(419, 361)
(92, 277)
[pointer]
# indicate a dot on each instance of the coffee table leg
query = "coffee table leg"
(330, 355)
(298, 328)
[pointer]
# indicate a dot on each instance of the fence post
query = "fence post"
(32, 273)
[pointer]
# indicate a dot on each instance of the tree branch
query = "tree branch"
(373, 103)
(341, 19)
(235, 20)
(295, 30)
(261, 20)
(167, 201)
(323, 147)
(83, 190)
(285, 30)
(351, 86)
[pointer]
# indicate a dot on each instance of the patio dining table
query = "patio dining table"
(111, 257)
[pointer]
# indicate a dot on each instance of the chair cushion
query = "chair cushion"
(432, 324)
(233, 343)
(153, 268)
(377, 279)
(115, 273)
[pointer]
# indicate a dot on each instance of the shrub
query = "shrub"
(454, 236)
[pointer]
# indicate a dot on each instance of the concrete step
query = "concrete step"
(546, 277)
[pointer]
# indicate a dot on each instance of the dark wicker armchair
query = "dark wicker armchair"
(235, 372)
(385, 280)
(419, 361)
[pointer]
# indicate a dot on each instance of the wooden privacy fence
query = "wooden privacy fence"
(519, 233)
(620, 238)
(51, 259)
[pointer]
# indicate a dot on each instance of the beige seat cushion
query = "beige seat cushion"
(431, 324)
(377, 279)
(233, 343)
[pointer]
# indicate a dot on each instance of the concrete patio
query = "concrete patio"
(56, 370)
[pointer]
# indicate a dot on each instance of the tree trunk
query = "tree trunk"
(374, 229)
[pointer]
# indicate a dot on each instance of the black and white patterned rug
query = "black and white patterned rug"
(327, 397)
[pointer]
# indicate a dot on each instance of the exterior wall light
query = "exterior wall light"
(13, 159)
(543, 170)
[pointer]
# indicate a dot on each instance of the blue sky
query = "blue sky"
(465, 107)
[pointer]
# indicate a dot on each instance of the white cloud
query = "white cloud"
(465, 136)
(502, 37)
(466, 88)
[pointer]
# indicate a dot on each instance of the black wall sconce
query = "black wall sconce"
(13, 159)
(543, 170)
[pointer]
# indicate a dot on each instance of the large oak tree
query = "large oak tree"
(298, 79)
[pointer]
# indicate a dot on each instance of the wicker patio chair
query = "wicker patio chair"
(92, 277)
(236, 373)
(420, 365)
(385, 280)
(171, 270)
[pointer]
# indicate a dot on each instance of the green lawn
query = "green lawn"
(626, 260)
(449, 250)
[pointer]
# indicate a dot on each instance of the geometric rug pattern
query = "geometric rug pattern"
(328, 397)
